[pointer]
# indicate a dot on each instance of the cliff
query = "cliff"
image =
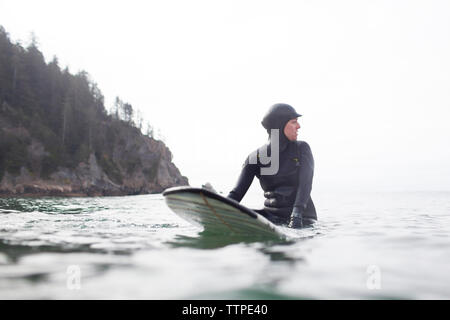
(138, 165)
(58, 139)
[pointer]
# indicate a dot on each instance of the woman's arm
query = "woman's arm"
(244, 182)
(305, 178)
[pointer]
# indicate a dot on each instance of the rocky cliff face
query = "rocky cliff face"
(58, 139)
(139, 165)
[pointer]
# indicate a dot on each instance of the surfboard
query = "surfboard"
(219, 215)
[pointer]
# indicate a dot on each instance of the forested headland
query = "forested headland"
(57, 138)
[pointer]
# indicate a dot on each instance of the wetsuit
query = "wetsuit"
(289, 187)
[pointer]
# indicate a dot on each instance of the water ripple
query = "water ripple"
(134, 247)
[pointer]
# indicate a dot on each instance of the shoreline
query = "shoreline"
(69, 195)
(65, 191)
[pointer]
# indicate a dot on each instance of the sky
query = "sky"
(371, 79)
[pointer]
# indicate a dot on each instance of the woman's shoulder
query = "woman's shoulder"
(303, 146)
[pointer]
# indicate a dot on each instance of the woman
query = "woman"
(287, 180)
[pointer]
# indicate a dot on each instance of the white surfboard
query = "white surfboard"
(219, 215)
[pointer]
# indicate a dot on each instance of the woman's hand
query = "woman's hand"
(297, 217)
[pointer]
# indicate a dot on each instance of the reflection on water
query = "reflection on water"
(50, 205)
(13, 252)
(205, 240)
(134, 247)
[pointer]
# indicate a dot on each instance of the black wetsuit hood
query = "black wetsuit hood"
(276, 118)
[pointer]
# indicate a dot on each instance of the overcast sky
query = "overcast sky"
(372, 79)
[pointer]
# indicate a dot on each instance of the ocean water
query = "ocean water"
(364, 246)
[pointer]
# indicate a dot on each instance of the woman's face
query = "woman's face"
(290, 129)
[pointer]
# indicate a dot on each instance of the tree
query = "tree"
(149, 131)
(65, 115)
(128, 113)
